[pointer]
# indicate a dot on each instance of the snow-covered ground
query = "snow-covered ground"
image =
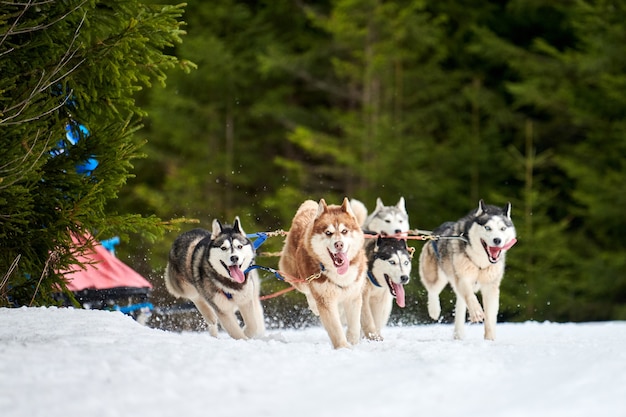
(66, 362)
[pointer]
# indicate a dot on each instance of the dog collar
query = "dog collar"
(372, 279)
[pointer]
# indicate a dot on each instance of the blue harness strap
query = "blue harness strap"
(260, 239)
(372, 279)
(436, 249)
(265, 268)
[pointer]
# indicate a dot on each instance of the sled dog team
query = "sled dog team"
(350, 265)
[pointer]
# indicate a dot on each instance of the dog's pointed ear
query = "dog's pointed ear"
(237, 226)
(379, 241)
(481, 207)
(345, 206)
(401, 206)
(507, 210)
(379, 204)
(217, 228)
(322, 207)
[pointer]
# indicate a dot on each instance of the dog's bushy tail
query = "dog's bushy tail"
(360, 211)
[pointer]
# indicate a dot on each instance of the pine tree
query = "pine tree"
(573, 86)
(68, 122)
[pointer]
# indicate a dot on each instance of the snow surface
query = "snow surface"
(66, 362)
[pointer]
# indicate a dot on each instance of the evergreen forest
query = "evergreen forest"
(234, 108)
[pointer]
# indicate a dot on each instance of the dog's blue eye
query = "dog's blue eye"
(488, 228)
(503, 228)
(392, 262)
(406, 262)
(329, 233)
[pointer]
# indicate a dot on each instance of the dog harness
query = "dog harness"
(261, 237)
(435, 249)
(373, 280)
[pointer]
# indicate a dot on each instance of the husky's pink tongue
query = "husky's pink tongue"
(494, 251)
(510, 244)
(399, 290)
(236, 273)
(341, 262)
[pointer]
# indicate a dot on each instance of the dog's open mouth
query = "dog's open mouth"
(397, 290)
(494, 252)
(235, 273)
(340, 261)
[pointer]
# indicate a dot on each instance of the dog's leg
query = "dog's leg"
(329, 316)
(434, 289)
(352, 309)
(491, 302)
(229, 322)
(208, 313)
(312, 304)
(368, 323)
(465, 289)
(384, 312)
(252, 314)
(460, 312)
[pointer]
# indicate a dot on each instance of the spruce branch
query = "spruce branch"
(44, 83)
(6, 276)
(16, 166)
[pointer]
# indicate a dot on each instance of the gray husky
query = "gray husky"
(208, 268)
(387, 220)
(473, 262)
(388, 269)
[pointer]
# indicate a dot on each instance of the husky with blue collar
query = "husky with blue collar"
(388, 270)
(210, 268)
(389, 263)
(470, 256)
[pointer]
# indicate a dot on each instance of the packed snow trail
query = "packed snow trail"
(66, 362)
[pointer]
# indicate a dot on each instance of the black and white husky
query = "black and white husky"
(388, 263)
(208, 268)
(473, 262)
(388, 269)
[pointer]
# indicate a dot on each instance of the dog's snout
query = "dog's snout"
(234, 259)
(404, 279)
(497, 241)
(339, 245)
(398, 231)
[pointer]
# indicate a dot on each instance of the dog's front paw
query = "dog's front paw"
(476, 315)
(213, 329)
(434, 309)
(374, 336)
(342, 345)
(353, 337)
